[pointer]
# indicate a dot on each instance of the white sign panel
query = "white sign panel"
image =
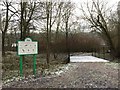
(27, 47)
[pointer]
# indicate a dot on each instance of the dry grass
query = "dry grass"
(10, 64)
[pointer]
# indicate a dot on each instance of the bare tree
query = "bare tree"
(27, 11)
(68, 7)
(96, 15)
(52, 14)
(118, 30)
(47, 36)
(4, 26)
(58, 23)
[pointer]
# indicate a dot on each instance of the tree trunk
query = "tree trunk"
(67, 46)
(47, 36)
(21, 22)
(3, 44)
(57, 32)
(118, 32)
(50, 26)
(5, 30)
(110, 43)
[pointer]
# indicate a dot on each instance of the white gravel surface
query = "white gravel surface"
(86, 59)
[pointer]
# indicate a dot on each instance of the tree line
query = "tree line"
(105, 23)
(58, 28)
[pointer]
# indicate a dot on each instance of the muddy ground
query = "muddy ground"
(77, 75)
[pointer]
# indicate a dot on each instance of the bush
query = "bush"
(77, 43)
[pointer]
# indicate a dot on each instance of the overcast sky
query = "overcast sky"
(110, 2)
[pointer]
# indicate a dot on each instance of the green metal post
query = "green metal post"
(34, 64)
(21, 69)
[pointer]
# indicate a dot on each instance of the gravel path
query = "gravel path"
(78, 75)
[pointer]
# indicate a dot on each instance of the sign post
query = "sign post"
(27, 47)
(21, 70)
(34, 64)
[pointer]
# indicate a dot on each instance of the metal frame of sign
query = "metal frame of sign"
(21, 57)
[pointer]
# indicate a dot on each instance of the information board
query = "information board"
(27, 47)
